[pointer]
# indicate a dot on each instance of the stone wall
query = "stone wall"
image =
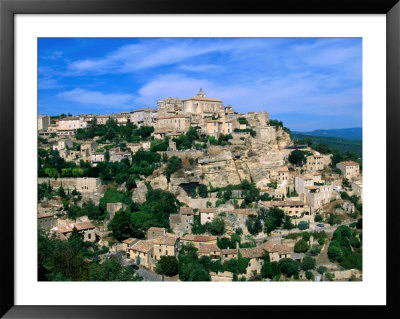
(82, 184)
(201, 202)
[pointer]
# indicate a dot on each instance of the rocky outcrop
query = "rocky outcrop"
(139, 194)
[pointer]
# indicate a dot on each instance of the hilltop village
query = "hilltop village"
(193, 191)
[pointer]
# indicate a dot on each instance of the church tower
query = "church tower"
(201, 93)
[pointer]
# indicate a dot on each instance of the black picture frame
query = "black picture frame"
(8, 8)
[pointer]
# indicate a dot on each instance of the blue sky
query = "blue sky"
(308, 83)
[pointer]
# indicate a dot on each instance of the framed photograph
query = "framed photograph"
(165, 154)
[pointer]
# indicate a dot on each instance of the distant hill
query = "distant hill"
(354, 133)
(341, 144)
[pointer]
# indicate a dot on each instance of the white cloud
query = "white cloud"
(96, 98)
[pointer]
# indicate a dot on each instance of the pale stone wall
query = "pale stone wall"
(201, 202)
(82, 184)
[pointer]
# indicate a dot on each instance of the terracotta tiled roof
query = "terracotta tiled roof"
(129, 241)
(160, 229)
(283, 169)
(143, 246)
(208, 248)
(228, 251)
(197, 98)
(349, 163)
(255, 252)
(175, 219)
(84, 226)
(186, 211)
(199, 238)
(165, 240)
(207, 210)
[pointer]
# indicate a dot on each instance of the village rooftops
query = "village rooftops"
(272, 248)
(143, 246)
(206, 210)
(199, 238)
(208, 248)
(283, 203)
(349, 163)
(175, 218)
(255, 252)
(84, 226)
(207, 99)
(283, 169)
(186, 211)
(70, 118)
(129, 241)
(166, 240)
(161, 229)
(44, 215)
(228, 251)
(147, 109)
(173, 117)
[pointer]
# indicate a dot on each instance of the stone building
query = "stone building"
(349, 169)
(210, 250)
(155, 232)
(198, 240)
(314, 163)
(166, 245)
(46, 220)
(206, 215)
(43, 123)
(202, 105)
(141, 253)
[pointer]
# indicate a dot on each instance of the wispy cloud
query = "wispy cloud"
(95, 98)
(313, 78)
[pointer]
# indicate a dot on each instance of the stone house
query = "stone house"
(175, 223)
(87, 148)
(165, 246)
(357, 188)
(349, 169)
(238, 218)
(68, 125)
(179, 123)
(85, 228)
(300, 182)
(316, 196)
(227, 254)
(43, 123)
(255, 255)
(119, 156)
(155, 232)
(46, 220)
(198, 240)
(210, 250)
(187, 218)
(128, 242)
(141, 253)
(315, 163)
(290, 207)
(63, 144)
(276, 251)
(102, 119)
(283, 175)
(206, 215)
(98, 157)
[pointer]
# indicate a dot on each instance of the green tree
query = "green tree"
(301, 246)
(202, 191)
(216, 227)
(120, 225)
(297, 158)
(174, 164)
(168, 266)
(309, 275)
(308, 263)
(253, 224)
(289, 267)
